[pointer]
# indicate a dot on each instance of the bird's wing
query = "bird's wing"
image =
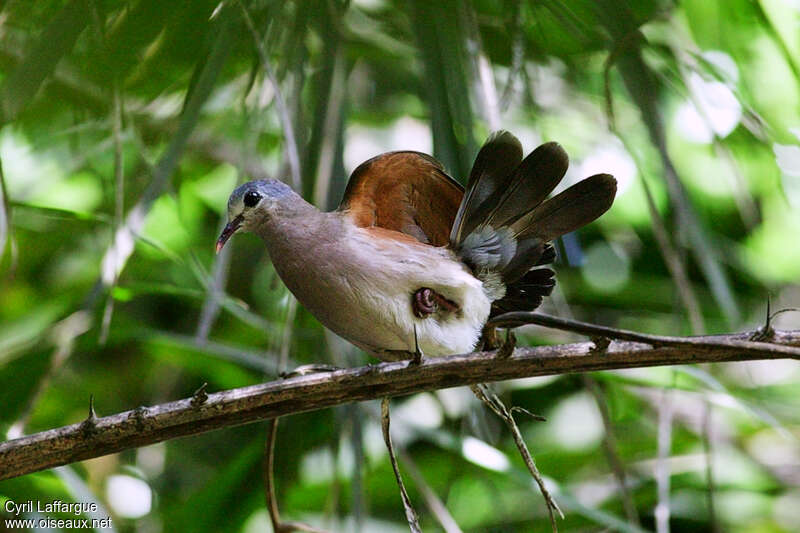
(407, 192)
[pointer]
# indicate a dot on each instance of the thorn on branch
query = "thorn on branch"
(89, 425)
(767, 333)
(200, 396)
(764, 333)
(92, 414)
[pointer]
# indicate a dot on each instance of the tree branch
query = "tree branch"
(148, 425)
(411, 514)
(494, 403)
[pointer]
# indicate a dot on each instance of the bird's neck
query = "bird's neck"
(302, 243)
(295, 227)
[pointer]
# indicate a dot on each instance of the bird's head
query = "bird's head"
(250, 204)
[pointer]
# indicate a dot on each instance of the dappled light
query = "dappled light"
(126, 125)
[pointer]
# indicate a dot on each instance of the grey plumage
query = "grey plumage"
(488, 248)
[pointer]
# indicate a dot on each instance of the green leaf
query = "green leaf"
(440, 36)
(207, 72)
(56, 40)
(644, 90)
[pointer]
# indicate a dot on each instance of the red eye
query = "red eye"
(251, 198)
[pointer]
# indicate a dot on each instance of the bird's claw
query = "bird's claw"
(507, 348)
(488, 340)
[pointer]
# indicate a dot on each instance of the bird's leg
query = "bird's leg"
(489, 340)
(418, 355)
(507, 348)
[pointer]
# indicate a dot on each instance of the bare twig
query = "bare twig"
(411, 515)
(688, 297)
(626, 44)
(278, 526)
(686, 293)
(519, 318)
(432, 501)
(698, 343)
(785, 310)
(301, 393)
(493, 402)
(705, 437)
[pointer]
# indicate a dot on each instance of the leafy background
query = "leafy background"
(126, 124)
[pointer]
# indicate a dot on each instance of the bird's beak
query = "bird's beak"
(232, 227)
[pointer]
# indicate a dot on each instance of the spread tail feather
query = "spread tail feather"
(571, 209)
(504, 223)
(526, 293)
(492, 170)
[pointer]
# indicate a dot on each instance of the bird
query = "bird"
(411, 262)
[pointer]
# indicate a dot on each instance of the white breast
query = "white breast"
(382, 279)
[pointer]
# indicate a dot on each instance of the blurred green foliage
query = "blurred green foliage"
(126, 124)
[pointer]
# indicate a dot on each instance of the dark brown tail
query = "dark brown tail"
(504, 224)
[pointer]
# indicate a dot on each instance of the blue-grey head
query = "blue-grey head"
(251, 203)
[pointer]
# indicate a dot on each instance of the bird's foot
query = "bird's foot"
(507, 348)
(488, 340)
(418, 355)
